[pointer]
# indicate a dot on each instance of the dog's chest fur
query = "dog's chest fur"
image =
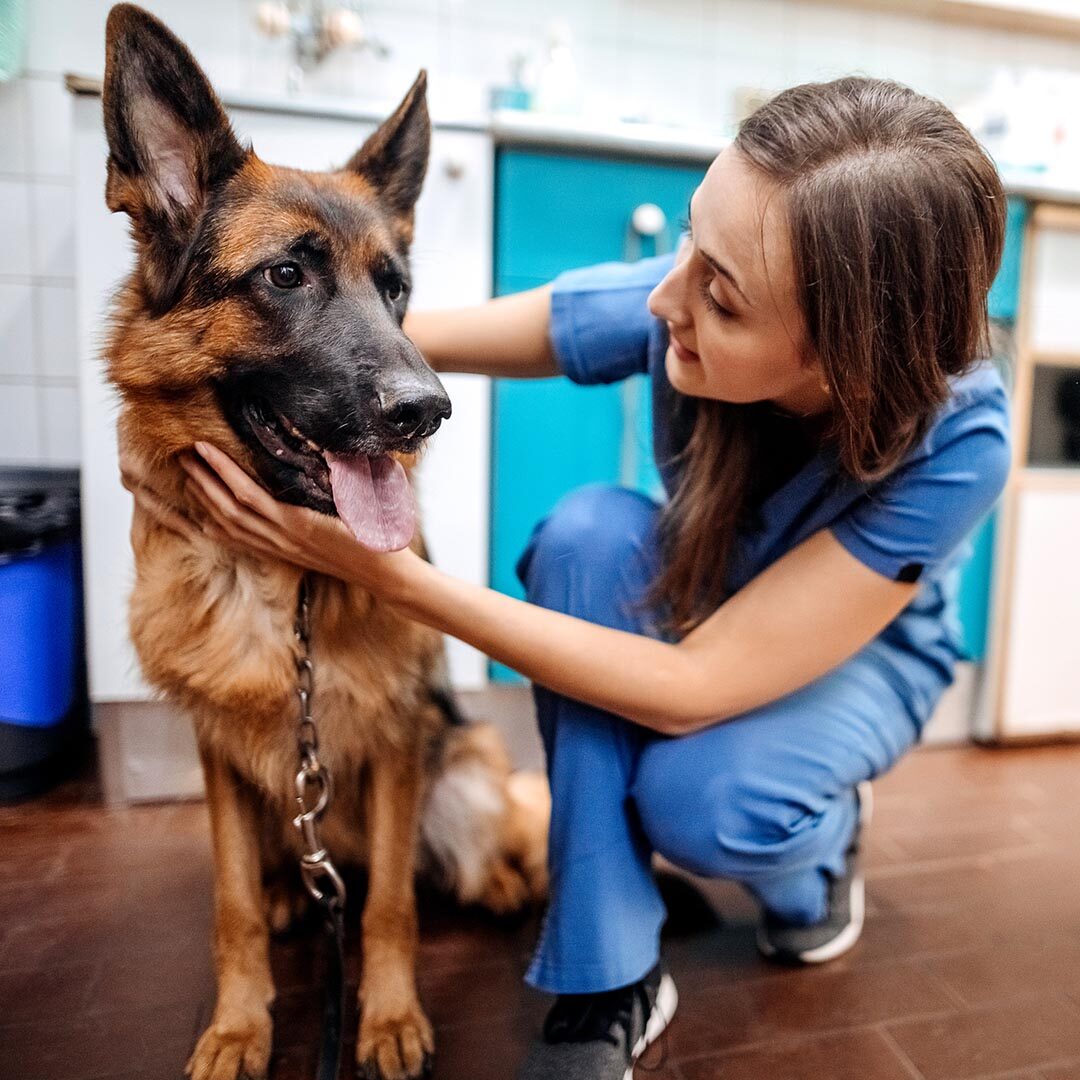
(214, 631)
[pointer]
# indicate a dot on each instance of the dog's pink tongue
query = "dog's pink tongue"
(374, 499)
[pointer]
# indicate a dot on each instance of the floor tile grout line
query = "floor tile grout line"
(944, 985)
(1037, 1070)
(977, 861)
(794, 1039)
(1006, 1074)
(914, 962)
(1012, 998)
(1024, 824)
(901, 1053)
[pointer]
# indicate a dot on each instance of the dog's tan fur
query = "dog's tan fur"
(214, 632)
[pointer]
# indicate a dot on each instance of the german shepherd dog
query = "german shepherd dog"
(264, 315)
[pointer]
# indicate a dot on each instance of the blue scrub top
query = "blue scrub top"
(912, 525)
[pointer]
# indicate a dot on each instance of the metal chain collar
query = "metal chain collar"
(313, 788)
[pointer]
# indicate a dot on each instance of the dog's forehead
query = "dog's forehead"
(270, 206)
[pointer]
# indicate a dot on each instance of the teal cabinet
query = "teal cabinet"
(1005, 293)
(557, 211)
(554, 212)
(976, 574)
(974, 593)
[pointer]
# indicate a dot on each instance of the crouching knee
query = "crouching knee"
(601, 527)
(730, 826)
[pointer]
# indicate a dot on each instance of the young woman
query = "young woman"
(716, 676)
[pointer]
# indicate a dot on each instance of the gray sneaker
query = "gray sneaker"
(842, 926)
(601, 1036)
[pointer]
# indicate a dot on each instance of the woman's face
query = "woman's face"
(737, 330)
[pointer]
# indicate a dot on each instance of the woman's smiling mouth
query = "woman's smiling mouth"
(687, 356)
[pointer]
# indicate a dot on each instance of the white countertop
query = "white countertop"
(613, 136)
(334, 107)
(519, 127)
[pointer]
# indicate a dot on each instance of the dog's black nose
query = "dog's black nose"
(415, 415)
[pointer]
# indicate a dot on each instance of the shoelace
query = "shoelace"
(584, 1019)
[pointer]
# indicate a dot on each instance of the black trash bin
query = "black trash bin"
(43, 715)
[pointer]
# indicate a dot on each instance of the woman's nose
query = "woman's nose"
(667, 300)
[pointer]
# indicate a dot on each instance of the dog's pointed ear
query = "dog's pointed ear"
(395, 156)
(170, 143)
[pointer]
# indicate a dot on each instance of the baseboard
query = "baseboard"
(147, 752)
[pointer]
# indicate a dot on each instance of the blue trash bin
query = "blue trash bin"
(42, 665)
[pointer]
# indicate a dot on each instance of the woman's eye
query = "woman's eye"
(394, 288)
(712, 303)
(284, 275)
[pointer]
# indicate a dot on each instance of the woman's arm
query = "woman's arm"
(804, 615)
(508, 336)
(800, 618)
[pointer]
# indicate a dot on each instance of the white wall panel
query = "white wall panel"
(13, 126)
(16, 329)
(1056, 292)
(15, 226)
(60, 424)
(1042, 673)
(52, 221)
(20, 437)
(55, 335)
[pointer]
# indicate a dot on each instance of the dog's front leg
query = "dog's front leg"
(395, 1039)
(237, 1042)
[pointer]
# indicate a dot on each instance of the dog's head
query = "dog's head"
(265, 309)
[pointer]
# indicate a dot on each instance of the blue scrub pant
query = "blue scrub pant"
(766, 799)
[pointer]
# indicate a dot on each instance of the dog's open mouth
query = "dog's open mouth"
(372, 494)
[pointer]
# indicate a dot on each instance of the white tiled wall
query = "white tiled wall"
(38, 403)
(668, 60)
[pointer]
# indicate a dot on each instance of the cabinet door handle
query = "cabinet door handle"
(454, 168)
(646, 220)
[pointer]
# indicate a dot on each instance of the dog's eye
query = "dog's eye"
(394, 288)
(283, 276)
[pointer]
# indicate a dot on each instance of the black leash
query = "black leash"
(318, 872)
(333, 1032)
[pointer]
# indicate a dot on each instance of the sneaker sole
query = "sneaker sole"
(667, 1001)
(853, 931)
(839, 944)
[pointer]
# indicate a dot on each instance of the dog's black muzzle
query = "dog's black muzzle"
(290, 412)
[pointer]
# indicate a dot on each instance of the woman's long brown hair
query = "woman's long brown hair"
(897, 220)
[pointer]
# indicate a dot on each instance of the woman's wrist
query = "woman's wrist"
(394, 580)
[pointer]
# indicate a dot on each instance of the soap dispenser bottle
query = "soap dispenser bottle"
(558, 86)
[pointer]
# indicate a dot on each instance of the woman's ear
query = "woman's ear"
(823, 380)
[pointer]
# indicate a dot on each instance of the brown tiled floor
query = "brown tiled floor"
(969, 966)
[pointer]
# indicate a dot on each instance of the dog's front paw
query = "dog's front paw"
(232, 1047)
(394, 1047)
